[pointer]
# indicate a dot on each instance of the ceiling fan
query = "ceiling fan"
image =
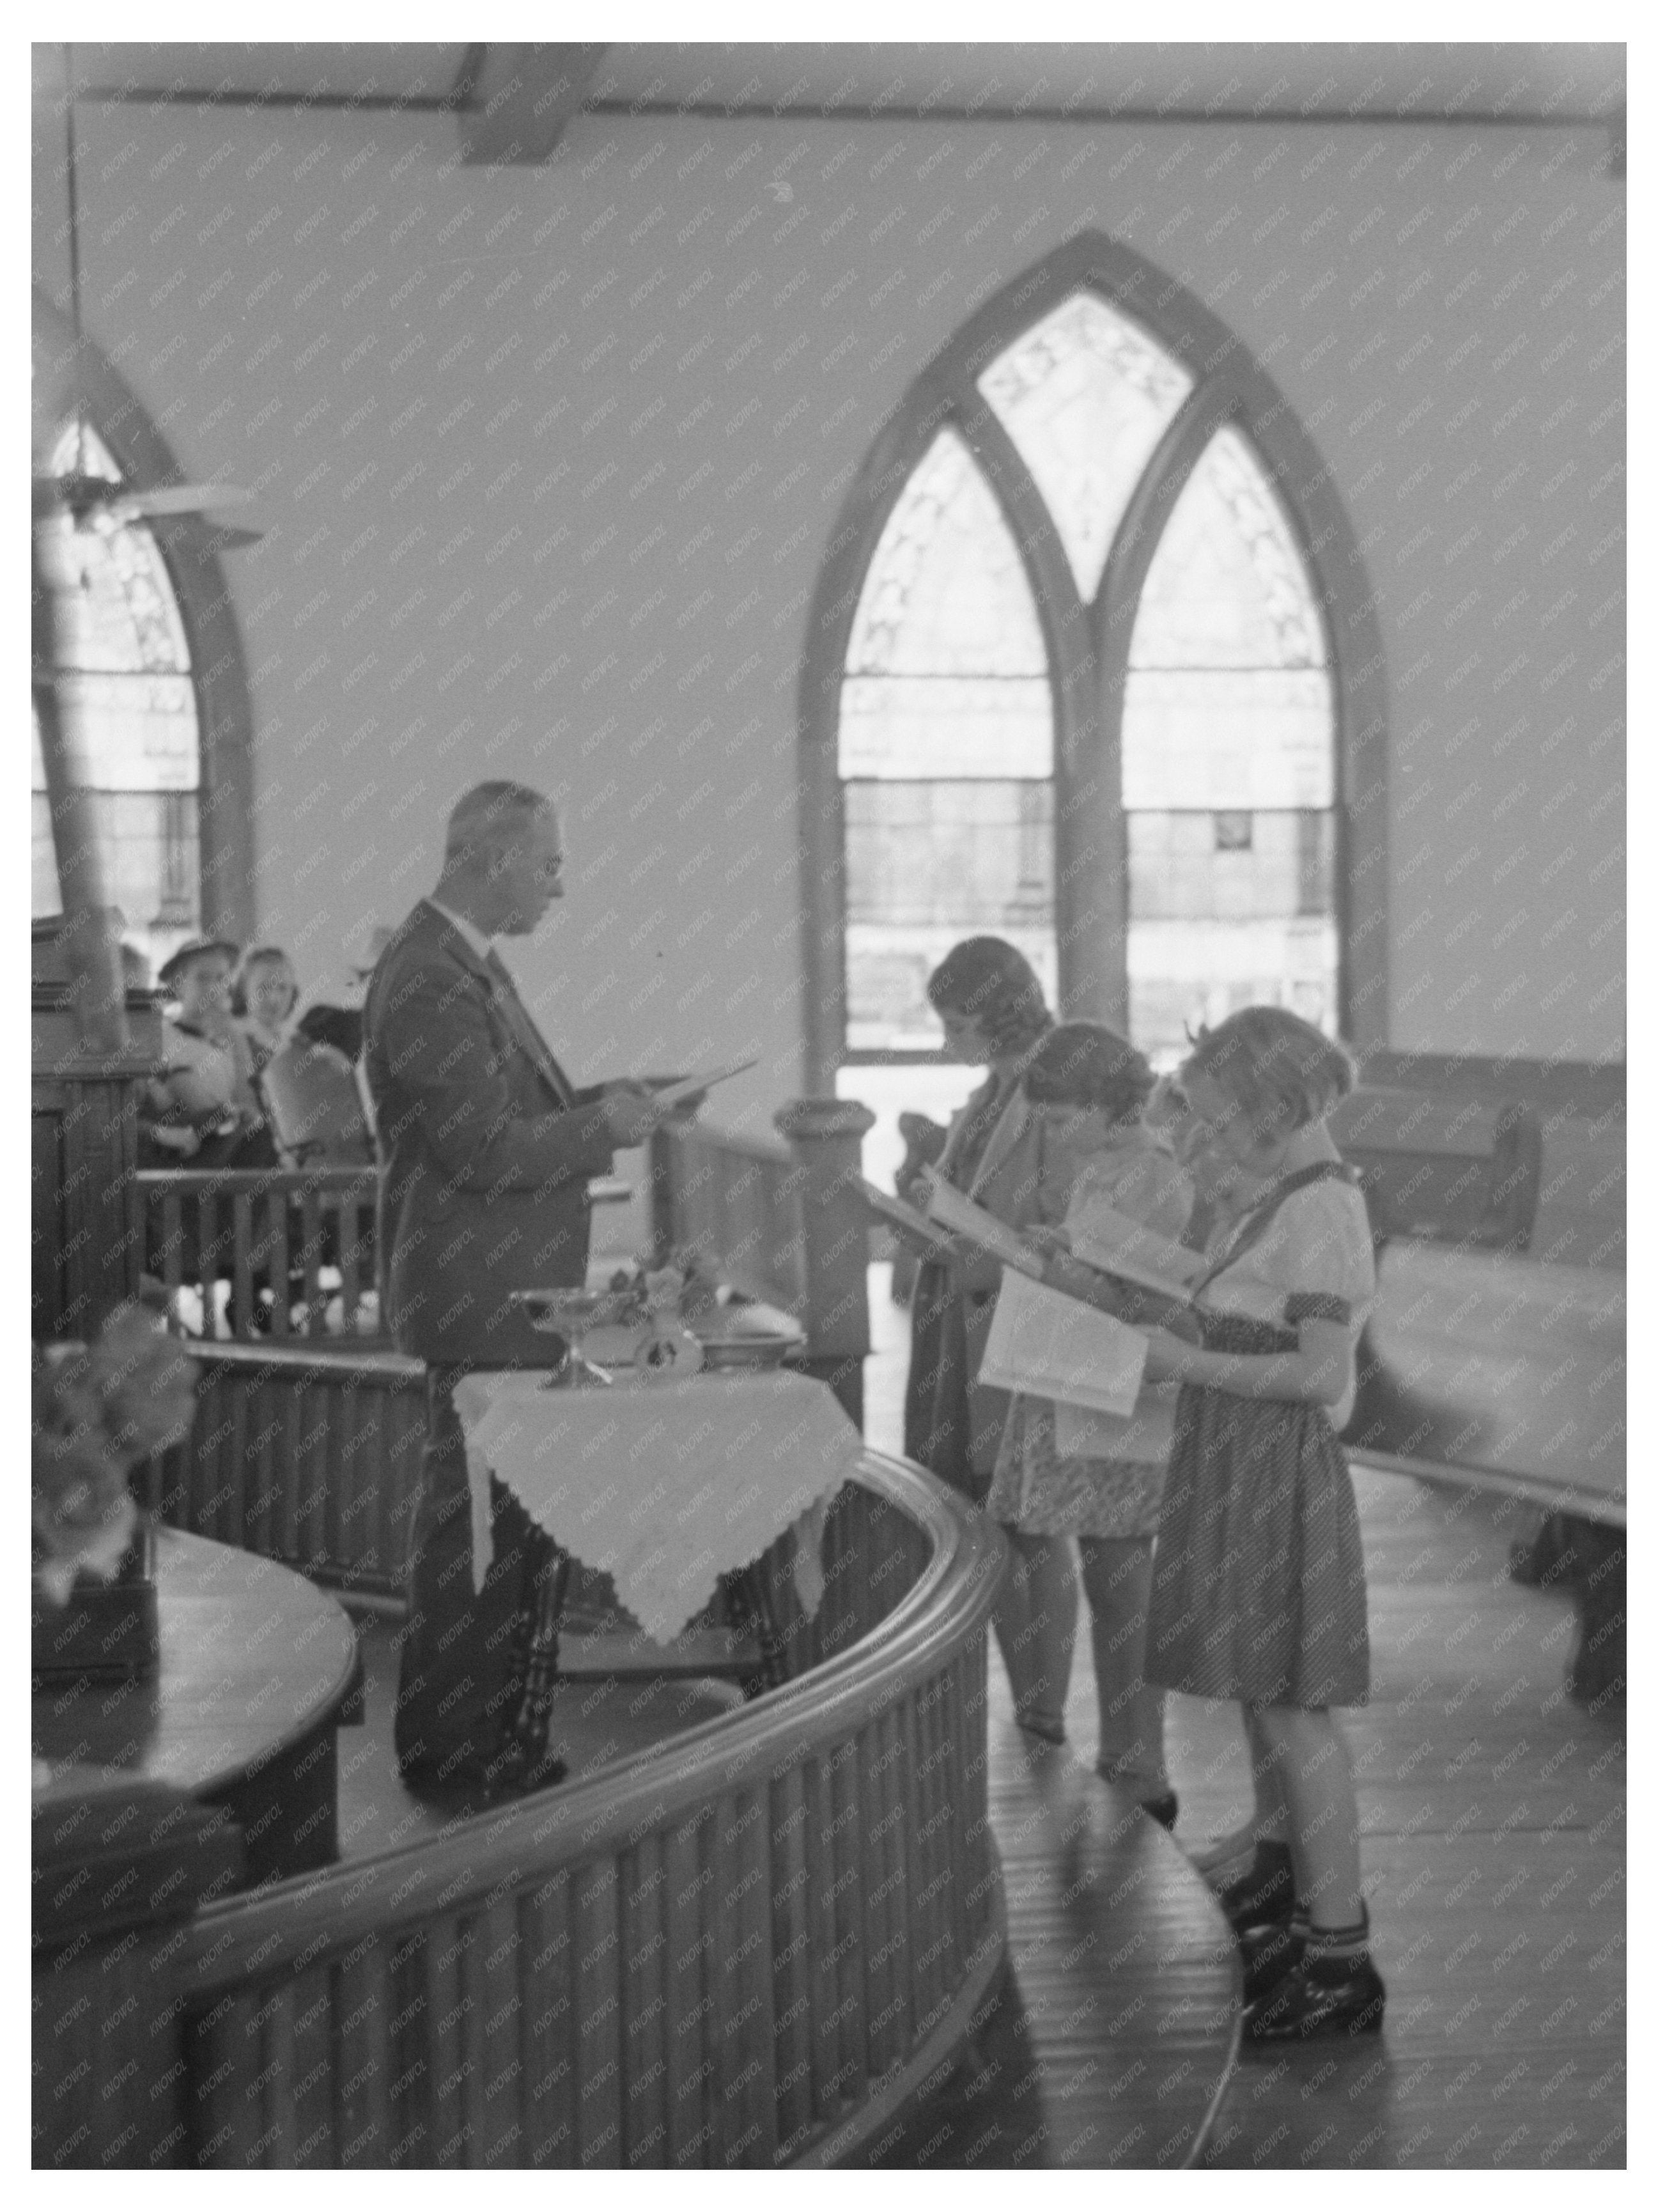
(83, 493)
(83, 498)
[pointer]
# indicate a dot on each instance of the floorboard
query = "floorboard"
(1493, 1813)
(1492, 1816)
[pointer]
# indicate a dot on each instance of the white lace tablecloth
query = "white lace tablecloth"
(663, 1486)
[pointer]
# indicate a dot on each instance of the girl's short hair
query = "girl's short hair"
(1279, 1069)
(260, 956)
(1085, 1064)
(993, 983)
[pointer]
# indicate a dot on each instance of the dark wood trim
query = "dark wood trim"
(70, 374)
(1087, 672)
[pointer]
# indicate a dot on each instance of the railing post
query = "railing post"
(826, 1137)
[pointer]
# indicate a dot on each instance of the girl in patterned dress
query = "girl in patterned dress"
(989, 1000)
(1258, 1593)
(1062, 1472)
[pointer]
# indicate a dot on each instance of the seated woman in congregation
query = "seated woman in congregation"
(262, 1001)
(990, 1001)
(1064, 1473)
(203, 1111)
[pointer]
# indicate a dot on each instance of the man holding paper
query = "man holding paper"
(486, 1150)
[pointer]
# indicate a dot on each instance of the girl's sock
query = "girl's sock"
(1334, 1954)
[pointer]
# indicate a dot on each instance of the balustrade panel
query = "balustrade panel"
(708, 1956)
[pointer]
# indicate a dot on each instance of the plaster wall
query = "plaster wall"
(547, 460)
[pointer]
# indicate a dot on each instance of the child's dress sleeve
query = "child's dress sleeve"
(1328, 1265)
(1326, 1268)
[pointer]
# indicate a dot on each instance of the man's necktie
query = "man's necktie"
(528, 1035)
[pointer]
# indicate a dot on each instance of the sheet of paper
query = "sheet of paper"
(889, 1208)
(1100, 1236)
(689, 1085)
(946, 1206)
(1053, 1346)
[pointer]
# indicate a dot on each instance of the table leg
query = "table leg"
(748, 1607)
(550, 1576)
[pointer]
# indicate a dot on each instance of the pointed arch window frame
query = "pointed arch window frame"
(1088, 643)
(75, 377)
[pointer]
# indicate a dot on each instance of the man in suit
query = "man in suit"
(485, 1150)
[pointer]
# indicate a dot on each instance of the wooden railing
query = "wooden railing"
(308, 1452)
(781, 1225)
(740, 1202)
(269, 1233)
(86, 1231)
(741, 1948)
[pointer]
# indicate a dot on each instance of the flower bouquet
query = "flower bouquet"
(97, 1411)
(681, 1289)
(640, 1318)
(682, 1300)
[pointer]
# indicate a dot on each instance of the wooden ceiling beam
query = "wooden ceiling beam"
(521, 98)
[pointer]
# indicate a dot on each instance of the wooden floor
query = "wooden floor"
(1492, 1811)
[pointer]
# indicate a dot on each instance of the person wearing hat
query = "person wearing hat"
(203, 1110)
(340, 1026)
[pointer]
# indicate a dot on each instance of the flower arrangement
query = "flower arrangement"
(97, 1411)
(680, 1289)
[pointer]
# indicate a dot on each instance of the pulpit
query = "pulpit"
(85, 1226)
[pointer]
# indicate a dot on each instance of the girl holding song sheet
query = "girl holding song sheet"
(1064, 1472)
(1258, 1591)
(990, 1001)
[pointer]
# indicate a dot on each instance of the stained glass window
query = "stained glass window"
(128, 703)
(1086, 394)
(1228, 766)
(946, 753)
(946, 732)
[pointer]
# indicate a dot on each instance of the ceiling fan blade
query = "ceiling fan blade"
(81, 496)
(176, 499)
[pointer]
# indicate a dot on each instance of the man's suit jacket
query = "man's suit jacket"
(485, 1151)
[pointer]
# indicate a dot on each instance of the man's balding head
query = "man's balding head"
(501, 858)
(490, 817)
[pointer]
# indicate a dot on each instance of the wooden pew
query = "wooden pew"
(1481, 1366)
(1449, 1171)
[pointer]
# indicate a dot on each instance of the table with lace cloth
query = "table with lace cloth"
(664, 1485)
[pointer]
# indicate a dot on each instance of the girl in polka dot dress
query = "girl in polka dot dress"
(1258, 1593)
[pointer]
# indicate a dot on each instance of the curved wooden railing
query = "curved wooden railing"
(740, 1948)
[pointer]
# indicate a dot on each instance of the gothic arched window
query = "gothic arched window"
(1087, 691)
(128, 696)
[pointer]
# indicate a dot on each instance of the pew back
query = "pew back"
(1450, 1172)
